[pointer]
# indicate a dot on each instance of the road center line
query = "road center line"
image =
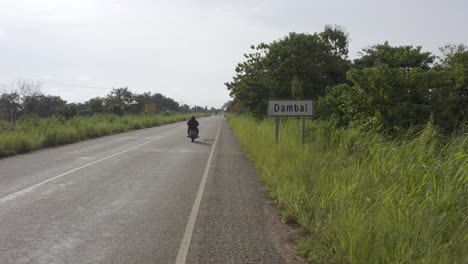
(184, 246)
(31, 188)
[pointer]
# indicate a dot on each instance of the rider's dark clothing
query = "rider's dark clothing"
(192, 123)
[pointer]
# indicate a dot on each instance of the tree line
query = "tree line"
(389, 88)
(25, 97)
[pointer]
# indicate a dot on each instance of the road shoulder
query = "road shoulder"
(236, 224)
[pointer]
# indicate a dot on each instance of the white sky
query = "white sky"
(188, 49)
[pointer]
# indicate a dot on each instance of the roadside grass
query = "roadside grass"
(33, 133)
(362, 198)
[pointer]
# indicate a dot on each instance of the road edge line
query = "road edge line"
(185, 244)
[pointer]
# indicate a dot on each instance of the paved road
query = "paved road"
(129, 198)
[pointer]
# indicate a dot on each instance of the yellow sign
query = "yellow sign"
(150, 107)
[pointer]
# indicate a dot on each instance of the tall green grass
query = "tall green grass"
(361, 198)
(33, 133)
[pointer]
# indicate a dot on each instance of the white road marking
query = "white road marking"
(31, 188)
(184, 246)
(84, 158)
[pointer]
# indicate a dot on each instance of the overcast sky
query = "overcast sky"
(188, 49)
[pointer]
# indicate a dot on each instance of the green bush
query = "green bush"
(6, 126)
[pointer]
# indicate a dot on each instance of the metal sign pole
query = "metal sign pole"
(303, 130)
(301, 108)
(277, 129)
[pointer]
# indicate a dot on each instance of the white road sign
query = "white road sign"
(290, 108)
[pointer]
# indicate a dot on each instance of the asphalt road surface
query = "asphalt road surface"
(147, 196)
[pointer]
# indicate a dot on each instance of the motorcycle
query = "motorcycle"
(193, 134)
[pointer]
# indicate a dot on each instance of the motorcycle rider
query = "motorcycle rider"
(192, 123)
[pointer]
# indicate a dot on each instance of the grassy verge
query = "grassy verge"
(34, 133)
(364, 199)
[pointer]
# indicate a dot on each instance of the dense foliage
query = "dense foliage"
(311, 62)
(388, 88)
(396, 88)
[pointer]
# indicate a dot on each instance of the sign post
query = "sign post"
(150, 108)
(303, 130)
(277, 129)
(300, 108)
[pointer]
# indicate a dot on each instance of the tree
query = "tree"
(70, 111)
(450, 99)
(296, 88)
(12, 101)
(337, 39)
(10, 106)
(119, 100)
(405, 57)
(316, 60)
(184, 108)
(29, 88)
(43, 105)
(197, 108)
(395, 88)
(95, 105)
(164, 103)
(252, 85)
(141, 100)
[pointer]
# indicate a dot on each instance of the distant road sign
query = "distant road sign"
(290, 108)
(150, 107)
